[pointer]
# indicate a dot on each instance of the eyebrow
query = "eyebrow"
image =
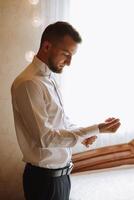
(71, 53)
(67, 51)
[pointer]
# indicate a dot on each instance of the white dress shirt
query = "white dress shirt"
(45, 134)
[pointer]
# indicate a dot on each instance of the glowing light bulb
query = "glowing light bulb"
(29, 56)
(36, 22)
(34, 2)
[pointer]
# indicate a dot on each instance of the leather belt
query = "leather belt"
(54, 172)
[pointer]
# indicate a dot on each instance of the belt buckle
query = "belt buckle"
(70, 168)
(67, 170)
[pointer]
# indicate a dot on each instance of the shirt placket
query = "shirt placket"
(57, 92)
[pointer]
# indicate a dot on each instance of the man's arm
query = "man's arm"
(32, 109)
(109, 126)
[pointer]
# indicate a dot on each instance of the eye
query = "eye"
(66, 54)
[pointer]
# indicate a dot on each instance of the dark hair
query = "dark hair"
(56, 31)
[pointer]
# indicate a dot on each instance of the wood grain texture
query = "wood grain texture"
(104, 157)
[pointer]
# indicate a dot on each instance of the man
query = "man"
(44, 133)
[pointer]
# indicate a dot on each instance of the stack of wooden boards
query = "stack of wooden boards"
(104, 157)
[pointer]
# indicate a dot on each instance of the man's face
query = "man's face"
(61, 53)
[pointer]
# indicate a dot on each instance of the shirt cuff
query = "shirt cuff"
(89, 131)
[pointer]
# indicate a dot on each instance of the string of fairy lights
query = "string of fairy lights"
(36, 22)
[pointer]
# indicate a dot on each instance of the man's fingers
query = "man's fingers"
(115, 127)
(89, 141)
(112, 123)
(109, 119)
(112, 127)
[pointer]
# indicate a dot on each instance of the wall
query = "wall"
(17, 35)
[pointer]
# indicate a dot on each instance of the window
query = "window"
(100, 81)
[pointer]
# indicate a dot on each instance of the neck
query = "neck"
(42, 57)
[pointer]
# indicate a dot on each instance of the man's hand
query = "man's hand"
(109, 126)
(89, 141)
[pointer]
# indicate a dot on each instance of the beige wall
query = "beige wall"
(17, 35)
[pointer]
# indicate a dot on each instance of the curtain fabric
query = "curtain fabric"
(99, 88)
(54, 10)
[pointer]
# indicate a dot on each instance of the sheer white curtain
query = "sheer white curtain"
(54, 10)
(99, 83)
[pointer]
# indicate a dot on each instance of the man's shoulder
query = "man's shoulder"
(26, 75)
(32, 78)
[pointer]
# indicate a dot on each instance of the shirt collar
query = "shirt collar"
(41, 67)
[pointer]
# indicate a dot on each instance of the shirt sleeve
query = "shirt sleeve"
(86, 131)
(32, 110)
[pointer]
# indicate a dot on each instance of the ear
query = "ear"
(46, 46)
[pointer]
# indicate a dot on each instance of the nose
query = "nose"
(68, 60)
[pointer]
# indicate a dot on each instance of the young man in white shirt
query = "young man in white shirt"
(44, 132)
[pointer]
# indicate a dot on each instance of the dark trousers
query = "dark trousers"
(39, 186)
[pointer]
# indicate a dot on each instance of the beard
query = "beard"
(54, 68)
